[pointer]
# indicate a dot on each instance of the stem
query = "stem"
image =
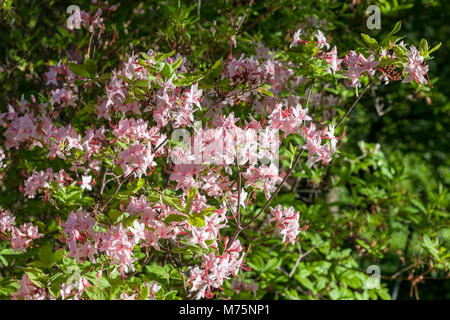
(354, 104)
(399, 274)
(115, 192)
(238, 209)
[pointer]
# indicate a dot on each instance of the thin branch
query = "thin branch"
(354, 104)
(300, 257)
(115, 192)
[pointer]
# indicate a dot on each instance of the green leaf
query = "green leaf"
(144, 293)
(435, 48)
(419, 205)
(384, 294)
(96, 293)
(196, 220)
(135, 186)
(90, 67)
(172, 201)
(167, 70)
(36, 276)
(79, 70)
(157, 270)
(371, 42)
(423, 48)
(46, 255)
(191, 195)
(188, 80)
(8, 287)
(265, 91)
(177, 63)
(161, 56)
(174, 218)
(3, 261)
(145, 56)
(396, 29)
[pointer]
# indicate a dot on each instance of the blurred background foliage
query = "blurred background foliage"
(383, 201)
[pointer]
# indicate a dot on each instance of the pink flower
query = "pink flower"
(215, 270)
(137, 159)
(75, 288)
(321, 40)
(193, 96)
(154, 287)
(29, 291)
(119, 247)
(30, 231)
(19, 240)
(37, 181)
(6, 221)
(357, 65)
(332, 58)
(2, 157)
(296, 39)
(86, 183)
(20, 129)
(416, 67)
(287, 222)
(288, 120)
(51, 76)
(138, 231)
(125, 296)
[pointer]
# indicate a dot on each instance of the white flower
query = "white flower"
(86, 183)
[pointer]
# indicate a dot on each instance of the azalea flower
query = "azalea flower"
(415, 67)
(86, 183)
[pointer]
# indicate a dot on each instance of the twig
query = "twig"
(353, 105)
(115, 192)
(300, 257)
(399, 280)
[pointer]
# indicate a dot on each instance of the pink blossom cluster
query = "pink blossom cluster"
(74, 289)
(289, 120)
(118, 246)
(244, 70)
(78, 228)
(332, 58)
(415, 67)
(256, 71)
(41, 180)
(357, 65)
(6, 221)
(20, 238)
(136, 159)
(85, 242)
(59, 72)
(19, 129)
(286, 222)
(210, 232)
(151, 227)
(316, 150)
(215, 269)
(29, 291)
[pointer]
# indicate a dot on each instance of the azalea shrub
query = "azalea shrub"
(210, 162)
